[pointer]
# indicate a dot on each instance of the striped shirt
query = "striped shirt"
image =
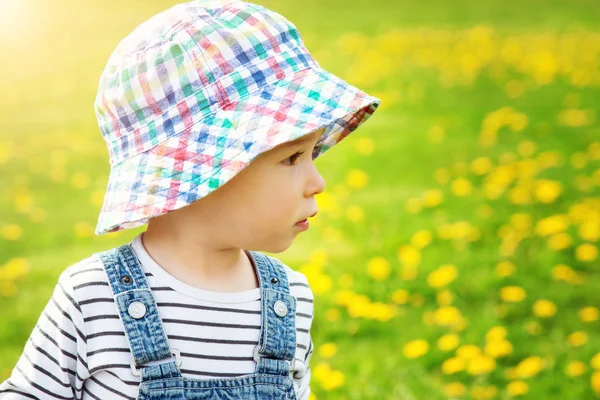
(78, 348)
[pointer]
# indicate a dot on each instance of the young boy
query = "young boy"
(213, 112)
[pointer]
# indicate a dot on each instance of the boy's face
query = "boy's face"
(259, 207)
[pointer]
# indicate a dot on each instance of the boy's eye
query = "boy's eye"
(293, 157)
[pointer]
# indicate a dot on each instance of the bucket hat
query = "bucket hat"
(195, 93)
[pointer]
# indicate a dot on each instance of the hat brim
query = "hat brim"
(197, 161)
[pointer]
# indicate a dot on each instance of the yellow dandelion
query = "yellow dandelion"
(578, 160)
(14, 269)
(453, 365)
(546, 191)
(575, 368)
(544, 308)
(517, 388)
(588, 314)
(416, 348)
(454, 389)
(378, 268)
(432, 198)
(497, 333)
(595, 382)
(409, 255)
(357, 179)
(593, 151)
(11, 232)
(442, 276)
(512, 294)
(549, 159)
(484, 392)
(562, 272)
(480, 364)
(589, 229)
(382, 312)
(448, 342)
(327, 350)
(560, 241)
(334, 380)
(527, 169)
(320, 283)
(421, 238)
(575, 117)
(529, 367)
(481, 165)
(586, 252)
(468, 351)
(327, 202)
(552, 225)
(595, 361)
(578, 339)
(518, 121)
(461, 187)
(505, 268)
(498, 348)
(519, 195)
(400, 296)
(23, 203)
(447, 315)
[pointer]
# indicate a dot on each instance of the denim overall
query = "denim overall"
(161, 379)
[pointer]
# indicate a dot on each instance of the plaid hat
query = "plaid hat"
(195, 93)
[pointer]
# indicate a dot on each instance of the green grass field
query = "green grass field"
(455, 254)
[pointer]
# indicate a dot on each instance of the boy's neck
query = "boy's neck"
(207, 268)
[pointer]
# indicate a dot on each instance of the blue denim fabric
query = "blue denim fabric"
(148, 342)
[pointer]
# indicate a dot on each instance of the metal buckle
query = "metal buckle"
(136, 372)
(255, 357)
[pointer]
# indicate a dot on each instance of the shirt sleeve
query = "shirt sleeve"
(303, 382)
(54, 357)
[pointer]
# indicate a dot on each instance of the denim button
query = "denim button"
(280, 308)
(137, 310)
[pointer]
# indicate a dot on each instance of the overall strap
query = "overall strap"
(139, 313)
(276, 348)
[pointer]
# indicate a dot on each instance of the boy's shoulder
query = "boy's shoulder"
(83, 273)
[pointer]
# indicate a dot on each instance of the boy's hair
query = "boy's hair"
(194, 94)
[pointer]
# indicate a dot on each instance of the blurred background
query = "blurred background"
(455, 254)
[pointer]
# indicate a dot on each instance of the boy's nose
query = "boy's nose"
(317, 183)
